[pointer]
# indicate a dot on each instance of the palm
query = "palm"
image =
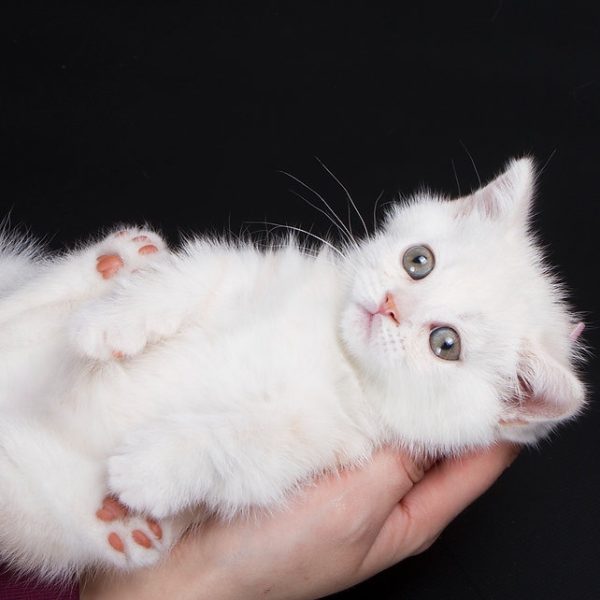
(338, 531)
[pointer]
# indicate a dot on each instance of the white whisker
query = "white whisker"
(347, 194)
(349, 215)
(300, 230)
(456, 177)
(334, 214)
(547, 161)
(472, 161)
(319, 209)
(375, 209)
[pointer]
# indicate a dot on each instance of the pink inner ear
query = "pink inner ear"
(548, 391)
(530, 409)
(537, 408)
(577, 331)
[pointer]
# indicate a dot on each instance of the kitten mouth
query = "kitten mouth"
(367, 318)
(369, 324)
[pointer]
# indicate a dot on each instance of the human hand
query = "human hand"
(334, 534)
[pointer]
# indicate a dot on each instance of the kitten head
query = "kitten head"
(452, 315)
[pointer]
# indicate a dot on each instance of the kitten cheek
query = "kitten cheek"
(353, 328)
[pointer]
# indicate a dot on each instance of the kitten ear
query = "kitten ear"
(508, 197)
(548, 391)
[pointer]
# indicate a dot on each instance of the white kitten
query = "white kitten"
(223, 376)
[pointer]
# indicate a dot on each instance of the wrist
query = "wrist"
(171, 579)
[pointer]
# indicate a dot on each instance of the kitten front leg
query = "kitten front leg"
(85, 273)
(139, 311)
(144, 309)
(128, 251)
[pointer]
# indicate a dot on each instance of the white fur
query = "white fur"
(247, 372)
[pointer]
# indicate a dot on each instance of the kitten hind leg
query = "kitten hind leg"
(135, 540)
(49, 497)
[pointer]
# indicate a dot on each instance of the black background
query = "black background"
(182, 115)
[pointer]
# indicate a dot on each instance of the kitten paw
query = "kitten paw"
(127, 251)
(137, 490)
(134, 541)
(117, 326)
(149, 476)
(101, 332)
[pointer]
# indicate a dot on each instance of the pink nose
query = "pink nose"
(388, 307)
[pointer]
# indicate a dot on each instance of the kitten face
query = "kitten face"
(450, 306)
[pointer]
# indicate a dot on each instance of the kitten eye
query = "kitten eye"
(445, 343)
(418, 261)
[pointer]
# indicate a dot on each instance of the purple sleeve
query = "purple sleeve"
(20, 588)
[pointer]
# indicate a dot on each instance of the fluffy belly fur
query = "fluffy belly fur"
(247, 397)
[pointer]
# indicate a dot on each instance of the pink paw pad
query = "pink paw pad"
(108, 265)
(116, 542)
(113, 510)
(148, 249)
(129, 244)
(141, 539)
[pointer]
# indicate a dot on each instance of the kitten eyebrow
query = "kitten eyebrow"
(472, 315)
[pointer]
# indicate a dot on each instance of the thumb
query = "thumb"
(452, 485)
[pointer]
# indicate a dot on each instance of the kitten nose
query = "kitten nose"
(388, 307)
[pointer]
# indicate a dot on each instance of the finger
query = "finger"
(355, 502)
(417, 520)
(381, 483)
(451, 486)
